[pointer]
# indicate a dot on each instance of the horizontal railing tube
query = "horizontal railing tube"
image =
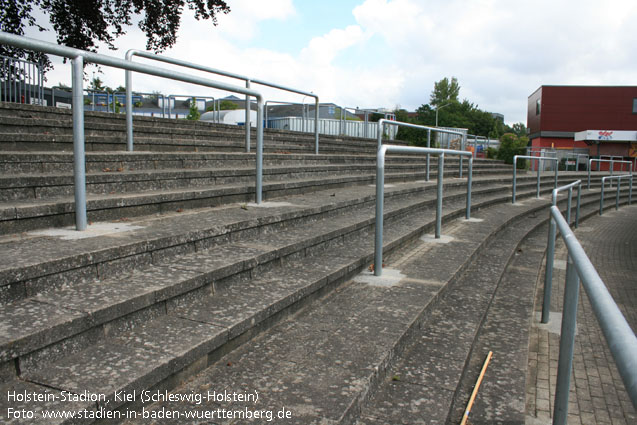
(538, 158)
(619, 336)
(599, 161)
(380, 190)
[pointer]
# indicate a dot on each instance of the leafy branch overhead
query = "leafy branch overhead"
(83, 24)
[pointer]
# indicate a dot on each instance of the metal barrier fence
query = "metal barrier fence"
(537, 151)
(538, 158)
(329, 127)
(173, 97)
(548, 275)
(21, 81)
(462, 134)
(619, 181)
(618, 334)
(474, 140)
(78, 57)
(380, 190)
(577, 157)
(129, 83)
(612, 166)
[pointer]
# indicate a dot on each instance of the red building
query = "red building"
(604, 117)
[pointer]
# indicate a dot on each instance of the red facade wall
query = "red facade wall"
(577, 108)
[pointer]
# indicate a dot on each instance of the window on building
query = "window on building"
(537, 107)
(635, 105)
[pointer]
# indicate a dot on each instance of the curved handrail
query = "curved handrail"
(620, 337)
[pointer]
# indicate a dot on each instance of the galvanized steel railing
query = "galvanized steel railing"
(21, 81)
(173, 97)
(475, 142)
(618, 334)
(548, 275)
(380, 191)
(612, 166)
(248, 80)
(382, 122)
(538, 158)
(619, 181)
(577, 157)
(78, 57)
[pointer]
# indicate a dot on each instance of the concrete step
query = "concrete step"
(120, 180)
(324, 362)
(135, 300)
(490, 308)
(32, 128)
(25, 215)
(62, 162)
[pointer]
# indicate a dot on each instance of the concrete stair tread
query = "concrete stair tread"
(110, 299)
(432, 380)
(329, 343)
(39, 256)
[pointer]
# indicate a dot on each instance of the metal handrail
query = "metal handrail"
(539, 158)
(619, 178)
(78, 57)
(380, 191)
(28, 88)
(576, 156)
(248, 80)
(548, 273)
(429, 129)
(618, 334)
(175, 96)
(476, 139)
(612, 166)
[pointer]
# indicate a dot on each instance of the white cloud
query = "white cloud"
(394, 50)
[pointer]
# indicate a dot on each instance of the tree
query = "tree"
(445, 91)
(511, 145)
(227, 105)
(82, 24)
(96, 84)
(193, 114)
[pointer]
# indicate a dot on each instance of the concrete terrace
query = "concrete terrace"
(182, 289)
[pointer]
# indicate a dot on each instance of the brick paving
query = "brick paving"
(597, 394)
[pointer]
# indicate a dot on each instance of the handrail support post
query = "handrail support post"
(441, 166)
(79, 161)
(567, 342)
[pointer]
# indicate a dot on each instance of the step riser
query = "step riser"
(49, 190)
(129, 258)
(137, 256)
(43, 163)
(314, 247)
(62, 214)
(77, 342)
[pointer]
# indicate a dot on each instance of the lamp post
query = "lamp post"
(440, 107)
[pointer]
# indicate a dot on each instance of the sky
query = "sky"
(389, 53)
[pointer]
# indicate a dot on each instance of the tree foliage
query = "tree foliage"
(511, 145)
(83, 24)
(193, 113)
(445, 91)
(459, 114)
(226, 104)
